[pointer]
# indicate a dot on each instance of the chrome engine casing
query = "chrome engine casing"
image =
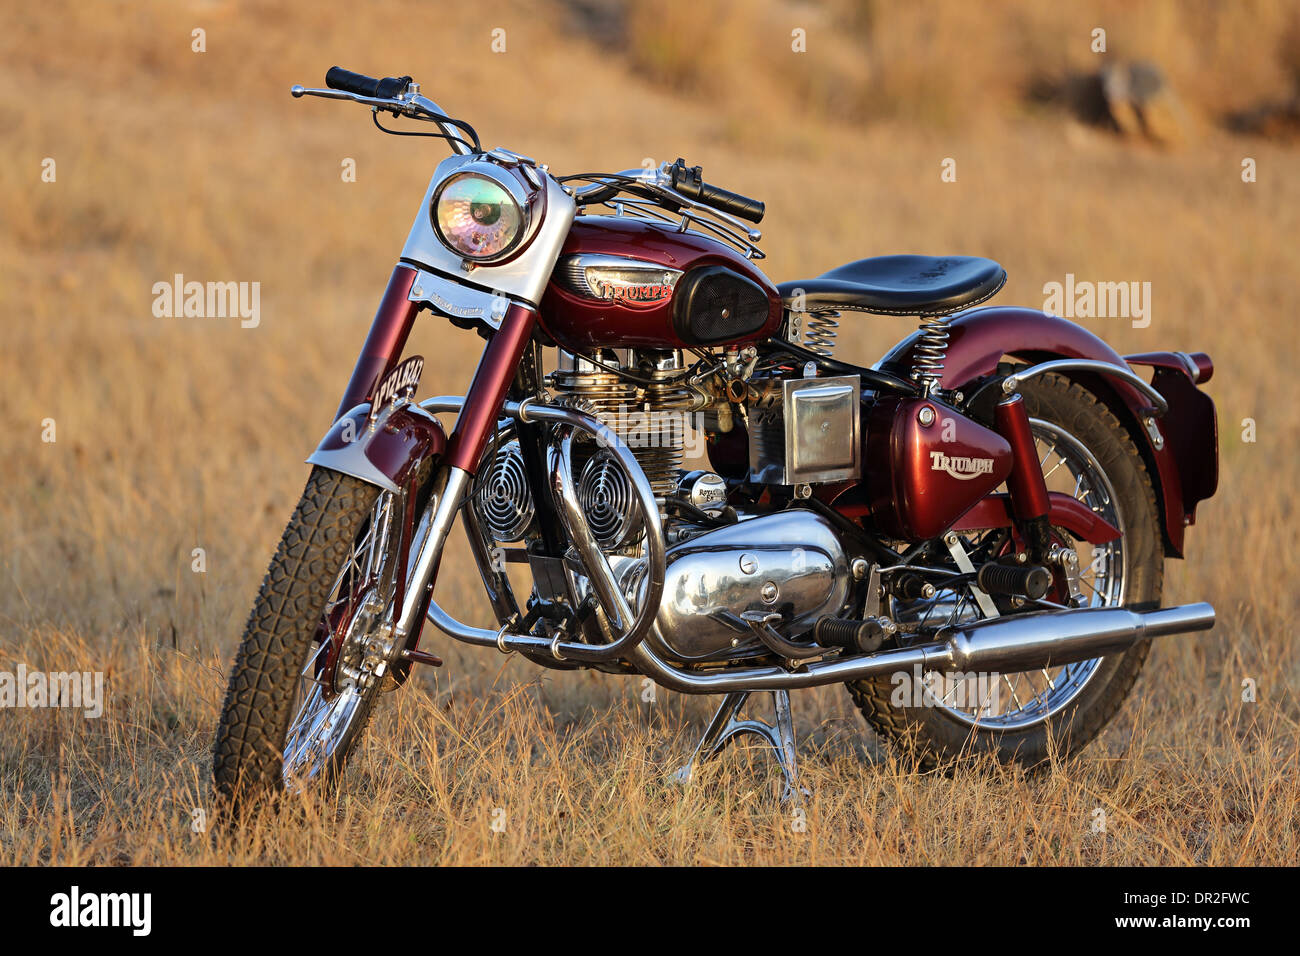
(791, 562)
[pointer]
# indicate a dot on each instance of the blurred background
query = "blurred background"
(1165, 149)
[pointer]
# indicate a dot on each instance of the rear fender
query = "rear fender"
(385, 452)
(1180, 450)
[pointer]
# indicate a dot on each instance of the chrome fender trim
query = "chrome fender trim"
(1012, 382)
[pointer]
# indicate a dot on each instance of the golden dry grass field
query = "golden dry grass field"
(176, 434)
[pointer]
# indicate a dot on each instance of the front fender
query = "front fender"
(1182, 456)
(386, 452)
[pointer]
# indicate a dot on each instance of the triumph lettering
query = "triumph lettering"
(962, 468)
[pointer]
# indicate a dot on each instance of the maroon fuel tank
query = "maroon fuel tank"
(622, 282)
(929, 465)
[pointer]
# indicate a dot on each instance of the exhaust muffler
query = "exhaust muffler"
(1054, 638)
(1023, 642)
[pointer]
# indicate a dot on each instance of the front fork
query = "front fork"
(474, 426)
(458, 462)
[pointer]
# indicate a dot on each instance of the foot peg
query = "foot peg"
(864, 637)
(726, 726)
(1014, 580)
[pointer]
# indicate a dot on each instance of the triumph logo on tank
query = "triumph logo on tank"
(636, 294)
(958, 467)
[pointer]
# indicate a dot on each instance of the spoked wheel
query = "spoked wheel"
(315, 650)
(348, 662)
(1085, 452)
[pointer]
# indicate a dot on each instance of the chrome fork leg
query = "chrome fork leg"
(447, 492)
(727, 725)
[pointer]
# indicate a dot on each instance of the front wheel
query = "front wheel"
(1028, 717)
(314, 652)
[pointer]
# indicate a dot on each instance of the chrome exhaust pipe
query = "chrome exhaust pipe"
(1054, 638)
(1003, 645)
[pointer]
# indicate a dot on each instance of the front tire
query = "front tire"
(934, 734)
(282, 639)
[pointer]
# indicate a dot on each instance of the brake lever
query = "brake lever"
(411, 104)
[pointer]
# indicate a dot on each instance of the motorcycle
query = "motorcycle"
(968, 535)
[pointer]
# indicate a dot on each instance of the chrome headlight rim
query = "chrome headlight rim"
(525, 200)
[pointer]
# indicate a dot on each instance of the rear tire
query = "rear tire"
(933, 735)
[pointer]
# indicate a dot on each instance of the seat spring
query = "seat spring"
(930, 351)
(820, 331)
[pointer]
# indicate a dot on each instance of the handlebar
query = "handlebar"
(689, 181)
(679, 185)
(398, 95)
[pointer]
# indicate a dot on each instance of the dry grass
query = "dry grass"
(174, 434)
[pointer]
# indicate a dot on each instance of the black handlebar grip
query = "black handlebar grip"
(337, 78)
(734, 203)
(689, 181)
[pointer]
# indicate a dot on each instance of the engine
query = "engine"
(651, 415)
(718, 568)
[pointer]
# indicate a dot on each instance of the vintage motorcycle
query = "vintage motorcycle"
(968, 535)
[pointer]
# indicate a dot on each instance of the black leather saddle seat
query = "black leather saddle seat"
(899, 285)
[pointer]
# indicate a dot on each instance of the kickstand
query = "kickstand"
(726, 726)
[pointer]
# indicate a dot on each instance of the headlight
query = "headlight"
(476, 216)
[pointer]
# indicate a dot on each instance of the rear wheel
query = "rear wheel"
(315, 649)
(1026, 717)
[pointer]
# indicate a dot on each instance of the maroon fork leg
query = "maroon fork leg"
(385, 341)
(1029, 499)
(496, 369)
